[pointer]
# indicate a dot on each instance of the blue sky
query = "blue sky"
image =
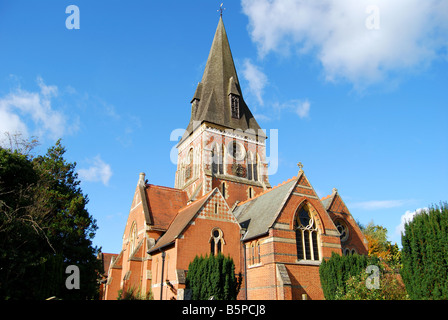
(356, 89)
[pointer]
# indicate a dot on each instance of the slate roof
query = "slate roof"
(326, 201)
(218, 81)
(180, 222)
(259, 214)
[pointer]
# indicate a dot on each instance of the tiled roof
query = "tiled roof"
(107, 259)
(180, 221)
(164, 203)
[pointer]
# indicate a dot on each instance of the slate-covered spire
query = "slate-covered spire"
(212, 101)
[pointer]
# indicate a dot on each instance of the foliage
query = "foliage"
(390, 288)
(134, 294)
(335, 272)
(380, 247)
(425, 254)
(213, 276)
(44, 227)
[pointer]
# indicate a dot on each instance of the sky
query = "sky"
(355, 90)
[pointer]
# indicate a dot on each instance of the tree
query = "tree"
(390, 288)
(425, 254)
(380, 247)
(213, 276)
(21, 234)
(336, 271)
(44, 227)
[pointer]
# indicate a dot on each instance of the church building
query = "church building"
(222, 202)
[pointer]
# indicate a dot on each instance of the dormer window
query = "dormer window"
(195, 104)
(235, 106)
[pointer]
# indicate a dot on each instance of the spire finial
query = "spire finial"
(221, 9)
(300, 165)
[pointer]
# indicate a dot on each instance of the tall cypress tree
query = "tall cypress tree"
(335, 272)
(212, 276)
(425, 254)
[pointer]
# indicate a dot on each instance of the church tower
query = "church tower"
(223, 145)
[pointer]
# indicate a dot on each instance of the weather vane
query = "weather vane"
(221, 9)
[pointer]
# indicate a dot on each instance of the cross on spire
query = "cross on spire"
(300, 165)
(221, 9)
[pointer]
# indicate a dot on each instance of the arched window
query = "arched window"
(132, 238)
(250, 192)
(250, 163)
(257, 252)
(218, 160)
(254, 253)
(306, 234)
(215, 160)
(255, 167)
(223, 190)
(189, 165)
(221, 160)
(235, 106)
(216, 241)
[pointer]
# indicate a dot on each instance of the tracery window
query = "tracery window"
(216, 241)
(343, 230)
(306, 235)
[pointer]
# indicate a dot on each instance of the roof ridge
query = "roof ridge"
(164, 187)
(267, 190)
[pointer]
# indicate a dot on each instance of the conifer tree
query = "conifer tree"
(212, 276)
(336, 271)
(44, 227)
(424, 254)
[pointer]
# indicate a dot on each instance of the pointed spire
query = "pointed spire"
(219, 83)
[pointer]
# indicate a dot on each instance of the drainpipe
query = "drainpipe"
(243, 245)
(163, 267)
(245, 269)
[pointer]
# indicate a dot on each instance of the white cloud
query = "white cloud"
(98, 171)
(407, 217)
(411, 34)
(256, 78)
(303, 109)
(379, 204)
(32, 113)
(297, 106)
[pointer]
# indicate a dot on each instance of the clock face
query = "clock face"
(237, 151)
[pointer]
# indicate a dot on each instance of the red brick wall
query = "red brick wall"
(195, 241)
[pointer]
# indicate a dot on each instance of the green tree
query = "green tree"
(390, 288)
(44, 227)
(425, 254)
(336, 271)
(213, 276)
(21, 234)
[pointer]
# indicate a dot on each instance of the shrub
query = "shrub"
(336, 271)
(425, 254)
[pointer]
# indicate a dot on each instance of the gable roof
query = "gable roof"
(180, 222)
(258, 214)
(212, 93)
(107, 259)
(163, 204)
